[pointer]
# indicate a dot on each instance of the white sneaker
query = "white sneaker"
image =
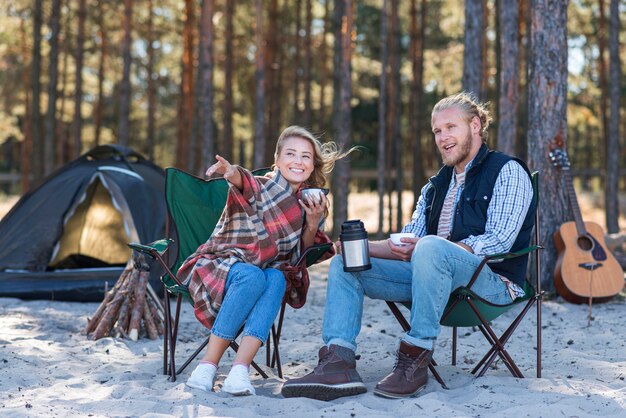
(202, 377)
(238, 382)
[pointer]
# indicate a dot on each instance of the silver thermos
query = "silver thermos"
(354, 246)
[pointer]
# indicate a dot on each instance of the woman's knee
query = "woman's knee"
(275, 280)
(250, 277)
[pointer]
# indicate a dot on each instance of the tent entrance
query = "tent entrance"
(94, 234)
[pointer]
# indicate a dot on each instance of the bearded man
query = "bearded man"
(477, 204)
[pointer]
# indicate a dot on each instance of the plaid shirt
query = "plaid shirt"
(261, 225)
(512, 195)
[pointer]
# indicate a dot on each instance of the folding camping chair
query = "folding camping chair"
(466, 309)
(194, 206)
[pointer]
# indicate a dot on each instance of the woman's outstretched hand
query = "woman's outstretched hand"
(229, 171)
(222, 166)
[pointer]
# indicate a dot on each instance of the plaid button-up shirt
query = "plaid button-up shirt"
(512, 195)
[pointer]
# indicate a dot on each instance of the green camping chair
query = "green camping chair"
(194, 206)
(467, 309)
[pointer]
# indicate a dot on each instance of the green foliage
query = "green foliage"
(442, 74)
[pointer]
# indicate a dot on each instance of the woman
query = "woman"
(234, 278)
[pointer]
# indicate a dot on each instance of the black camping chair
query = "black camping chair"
(194, 206)
(466, 309)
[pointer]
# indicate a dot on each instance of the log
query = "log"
(158, 321)
(128, 306)
(93, 322)
(124, 315)
(110, 315)
(137, 310)
(148, 323)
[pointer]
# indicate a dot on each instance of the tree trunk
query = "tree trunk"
(509, 76)
(417, 94)
(185, 103)
(98, 111)
(613, 148)
(260, 140)
(207, 133)
(273, 67)
(324, 72)
(229, 68)
(53, 71)
(27, 146)
(61, 137)
(308, 62)
(473, 54)
(484, 77)
(77, 124)
(124, 100)
(37, 157)
(395, 104)
(151, 128)
(603, 72)
(382, 119)
(547, 127)
(343, 120)
(297, 64)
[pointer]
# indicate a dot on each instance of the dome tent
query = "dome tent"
(66, 238)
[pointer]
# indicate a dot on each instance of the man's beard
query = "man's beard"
(464, 149)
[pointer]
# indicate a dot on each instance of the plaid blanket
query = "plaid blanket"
(260, 225)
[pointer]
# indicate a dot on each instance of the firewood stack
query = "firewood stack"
(130, 309)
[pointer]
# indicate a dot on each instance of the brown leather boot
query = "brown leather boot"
(334, 376)
(409, 375)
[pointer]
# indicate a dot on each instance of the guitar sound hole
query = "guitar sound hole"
(585, 243)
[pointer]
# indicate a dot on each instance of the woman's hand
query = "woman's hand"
(229, 171)
(222, 166)
(314, 210)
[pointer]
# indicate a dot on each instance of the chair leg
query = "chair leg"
(171, 339)
(539, 301)
(433, 370)
(454, 336)
(193, 356)
(179, 303)
(500, 348)
(167, 320)
(268, 343)
(490, 356)
(281, 316)
(276, 352)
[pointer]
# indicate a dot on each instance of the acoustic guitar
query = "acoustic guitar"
(585, 268)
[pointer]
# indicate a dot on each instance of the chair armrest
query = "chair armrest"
(509, 255)
(313, 253)
(153, 249)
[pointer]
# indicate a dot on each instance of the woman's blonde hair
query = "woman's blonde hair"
(470, 106)
(324, 158)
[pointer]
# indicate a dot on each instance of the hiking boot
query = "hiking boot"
(334, 376)
(409, 375)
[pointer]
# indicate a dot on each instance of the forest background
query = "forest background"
(183, 80)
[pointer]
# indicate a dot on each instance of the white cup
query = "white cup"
(313, 193)
(395, 238)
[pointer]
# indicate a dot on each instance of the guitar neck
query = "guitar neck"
(571, 195)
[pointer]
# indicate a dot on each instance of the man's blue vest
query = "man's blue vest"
(470, 215)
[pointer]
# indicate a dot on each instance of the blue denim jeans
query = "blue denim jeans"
(252, 295)
(437, 267)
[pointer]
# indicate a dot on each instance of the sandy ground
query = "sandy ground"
(50, 368)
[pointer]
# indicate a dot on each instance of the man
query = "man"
(477, 204)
